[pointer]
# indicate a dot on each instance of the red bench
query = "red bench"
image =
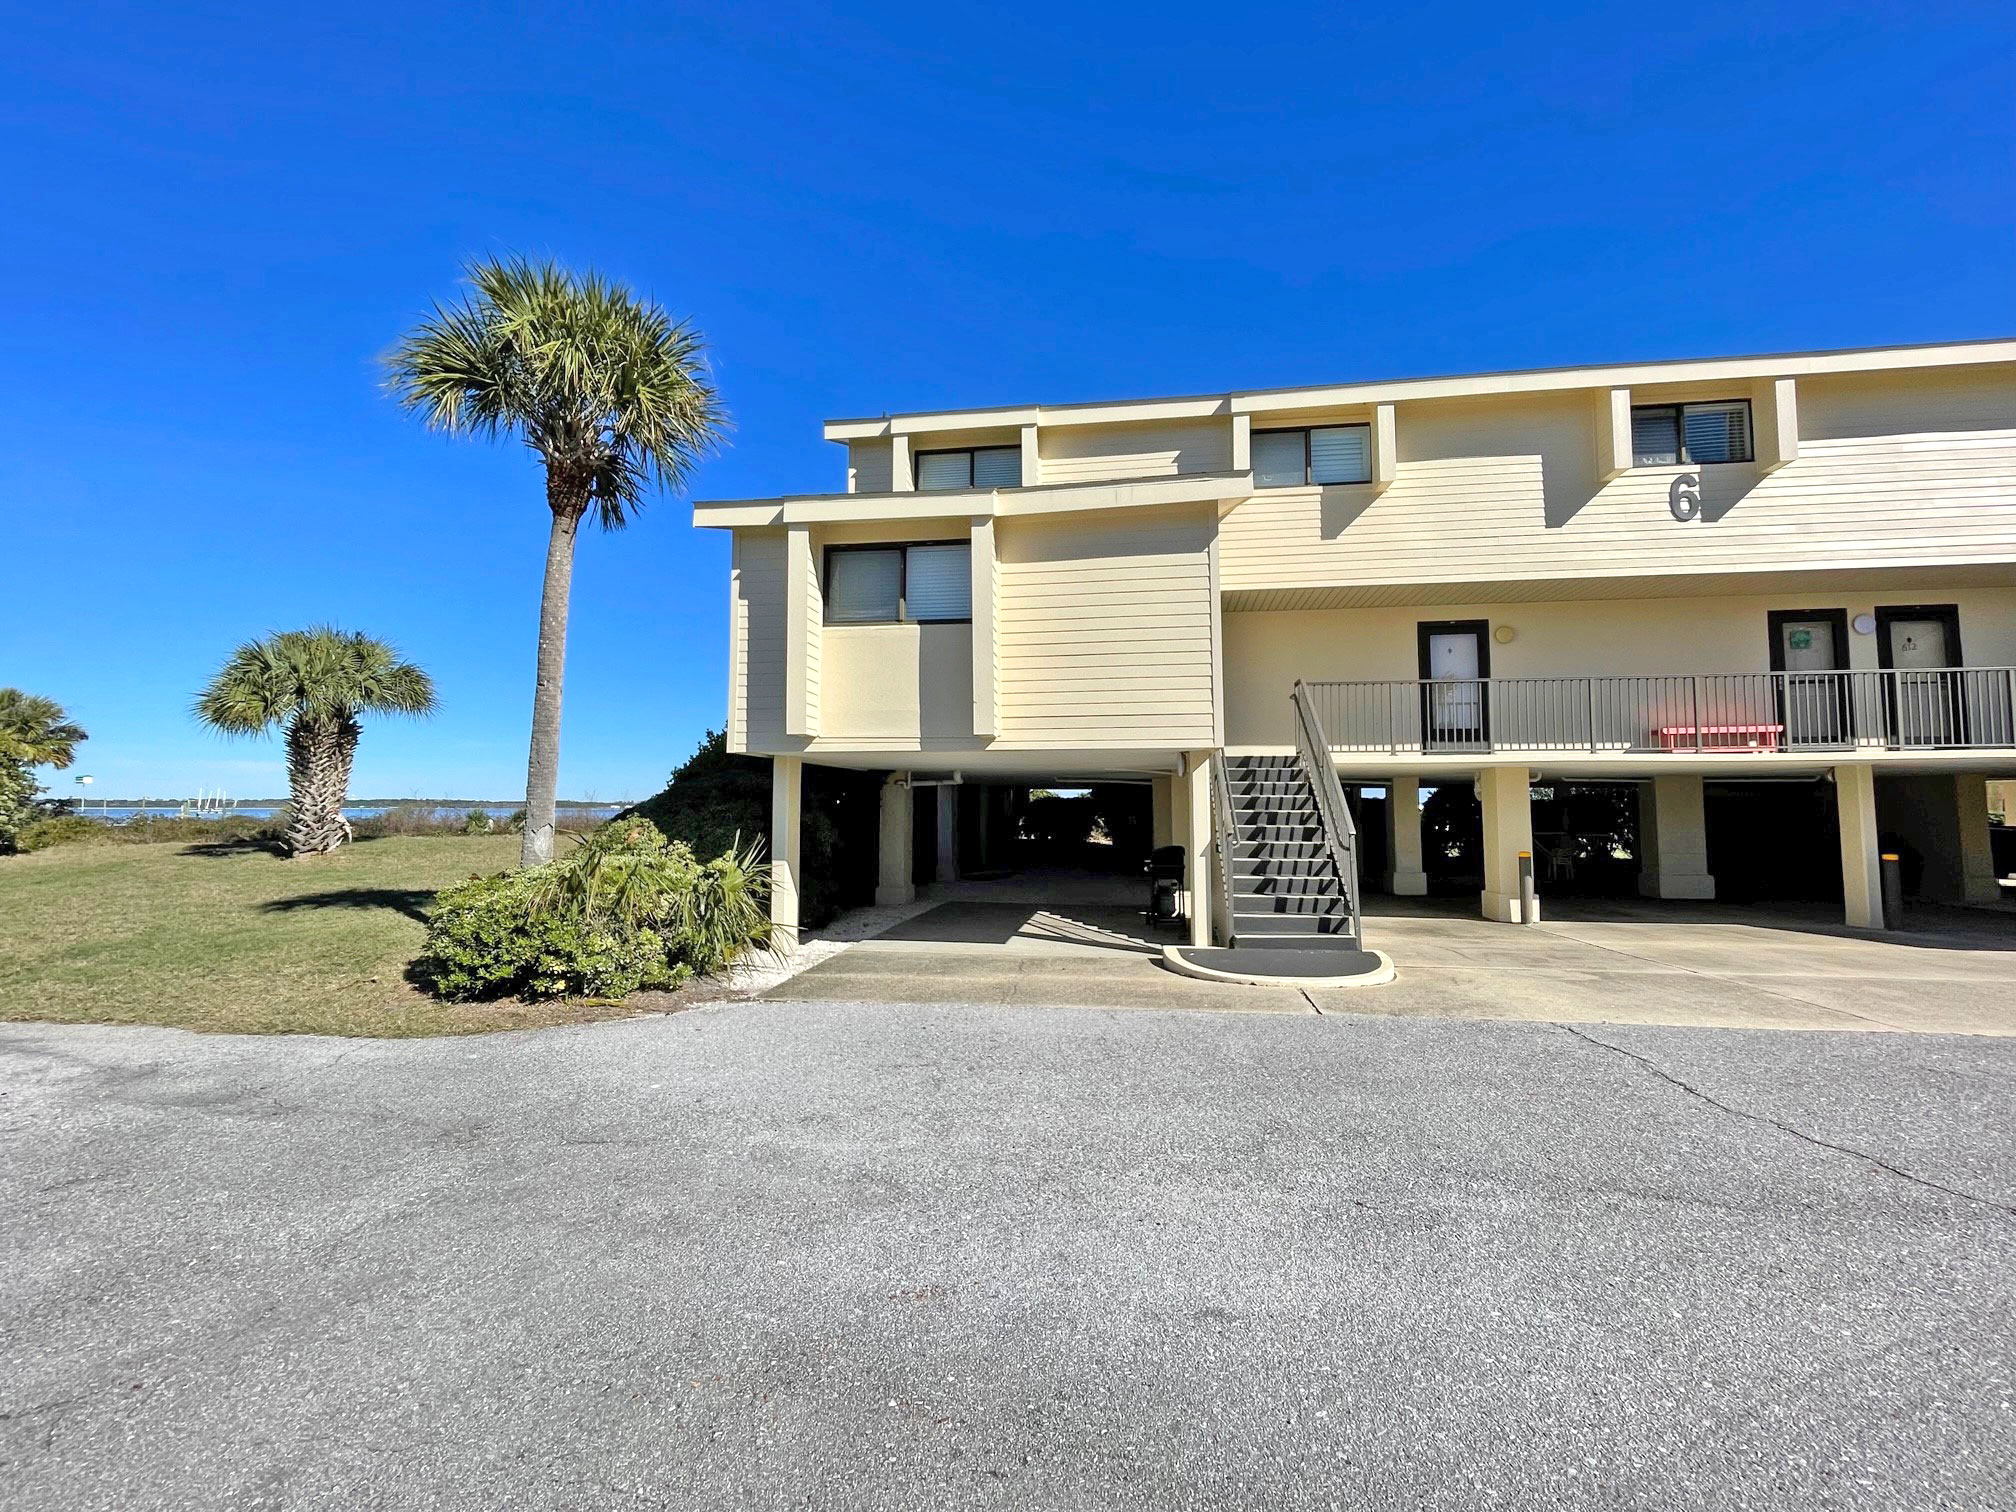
(1733, 737)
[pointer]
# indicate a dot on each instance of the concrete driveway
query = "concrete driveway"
(1644, 963)
(872, 1255)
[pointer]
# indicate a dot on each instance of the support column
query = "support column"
(1505, 793)
(1196, 781)
(948, 833)
(893, 883)
(786, 795)
(1162, 809)
(1673, 839)
(1976, 852)
(1405, 876)
(1861, 849)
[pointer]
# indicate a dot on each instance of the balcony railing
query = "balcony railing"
(1964, 708)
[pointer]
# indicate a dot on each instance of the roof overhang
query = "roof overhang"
(1388, 391)
(974, 503)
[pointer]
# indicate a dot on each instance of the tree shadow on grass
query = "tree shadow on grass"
(410, 901)
(216, 849)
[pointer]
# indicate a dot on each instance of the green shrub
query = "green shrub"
(478, 822)
(490, 937)
(717, 801)
(407, 819)
(74, 829)
(64, 829)
(625, 910)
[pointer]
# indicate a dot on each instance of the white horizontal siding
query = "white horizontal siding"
(1506, 489)
(815, 635)
(1841, 406)
(1105, 625)
(1094, 453)
(870, 467)
(759, 601)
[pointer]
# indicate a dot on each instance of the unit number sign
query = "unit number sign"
(1684, 496)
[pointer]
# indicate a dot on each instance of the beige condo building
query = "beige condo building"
(1738, 586)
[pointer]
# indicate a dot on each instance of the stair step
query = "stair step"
(1245, 849)
(1245, 924)
(1289, 876)
(1247, 906)
(1319, 886)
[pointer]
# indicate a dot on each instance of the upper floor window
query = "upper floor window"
(1664, 434)
(1322, 454)
(975, 467)
(924, 583)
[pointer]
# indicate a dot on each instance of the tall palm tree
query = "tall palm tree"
(313, 685)
(611, 392)
(35, 731)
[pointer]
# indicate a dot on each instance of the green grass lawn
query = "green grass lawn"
(241, 941)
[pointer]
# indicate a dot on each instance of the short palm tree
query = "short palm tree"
(611, 392)
(313, 685)
(35, 731)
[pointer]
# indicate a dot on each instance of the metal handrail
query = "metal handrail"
(1954, 708)
(1340, 833)
(1228, 839)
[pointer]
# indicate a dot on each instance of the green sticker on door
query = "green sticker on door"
(1800, 640)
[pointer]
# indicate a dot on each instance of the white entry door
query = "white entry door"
(1925, 700)
(1456, 699)
(1815, 693)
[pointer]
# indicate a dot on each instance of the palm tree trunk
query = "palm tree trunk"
(318, 774)
(347, 733)
(542, 766)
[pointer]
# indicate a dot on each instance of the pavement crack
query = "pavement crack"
(1311, 1002)
(2006, 1209)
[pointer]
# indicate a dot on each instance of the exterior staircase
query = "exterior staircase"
(1287, 892)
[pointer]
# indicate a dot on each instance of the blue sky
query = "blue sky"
(218, 217)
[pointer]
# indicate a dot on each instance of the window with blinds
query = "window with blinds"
(863, 586)
(1664, 435)
(977, 467)
(1340, 454)
(926, 583)
(938, 583)
(1321, 454)
(1280, 459)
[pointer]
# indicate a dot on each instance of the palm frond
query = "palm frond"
(36, 731)
(321, 674)
(612, 392)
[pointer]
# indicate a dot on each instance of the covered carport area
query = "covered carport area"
(1739, 828)
(1065, 827)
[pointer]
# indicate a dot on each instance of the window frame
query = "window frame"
(1679, 408)
(969, 452)
(902, 550)
(1309, 453)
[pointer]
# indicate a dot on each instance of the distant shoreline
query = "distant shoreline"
(507, 804)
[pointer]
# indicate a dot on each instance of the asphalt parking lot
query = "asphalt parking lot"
(872, 1254)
